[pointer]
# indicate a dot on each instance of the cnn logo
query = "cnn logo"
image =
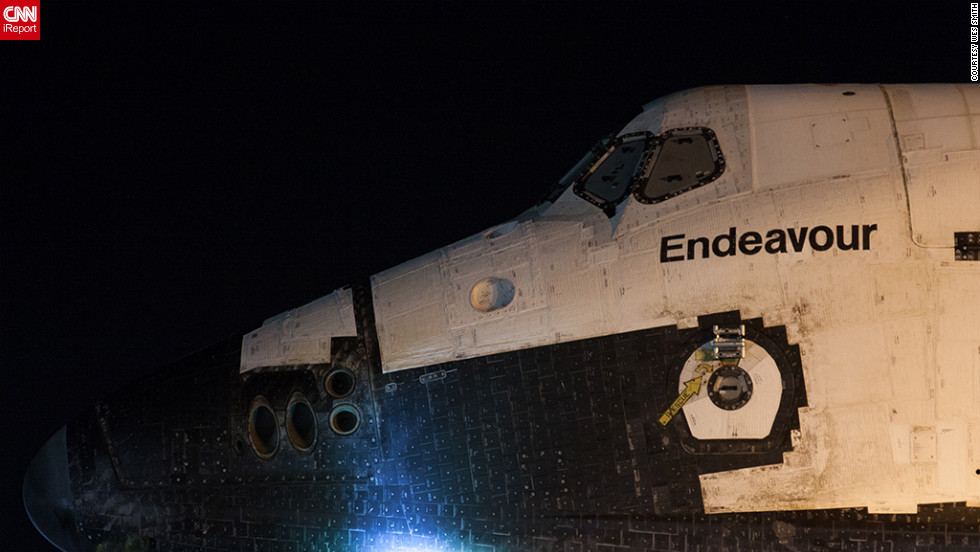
(17, 13)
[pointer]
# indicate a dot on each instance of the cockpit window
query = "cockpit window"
(611, 176)
(653, 168)
(680, 160)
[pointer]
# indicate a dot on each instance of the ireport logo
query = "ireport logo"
(21, 20)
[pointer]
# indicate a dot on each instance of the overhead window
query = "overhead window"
(610, 177)
(680, 160)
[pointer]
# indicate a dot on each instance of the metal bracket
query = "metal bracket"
(729, 343)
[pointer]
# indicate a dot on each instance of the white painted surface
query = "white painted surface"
(302, 335)
(941, 152)
(891, 344)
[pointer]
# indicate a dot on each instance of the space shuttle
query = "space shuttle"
(748, 320)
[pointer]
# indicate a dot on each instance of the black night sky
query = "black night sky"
(173, 174)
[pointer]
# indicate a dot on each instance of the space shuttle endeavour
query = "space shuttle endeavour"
(748, 320)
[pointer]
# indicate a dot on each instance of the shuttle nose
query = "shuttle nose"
(47, 494)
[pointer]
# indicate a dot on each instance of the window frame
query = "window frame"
(656, 146)
(599, 155)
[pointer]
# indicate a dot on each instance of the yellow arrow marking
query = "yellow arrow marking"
(691, 388)
(704, 369)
